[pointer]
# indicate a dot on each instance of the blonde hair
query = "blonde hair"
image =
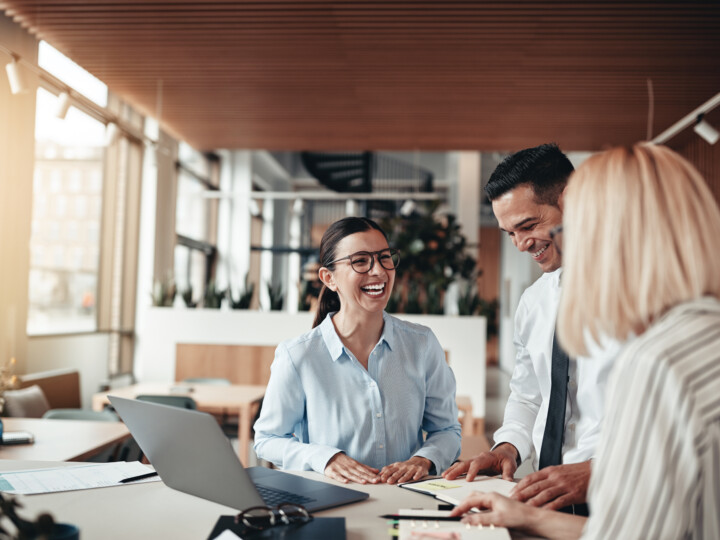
(641, 235)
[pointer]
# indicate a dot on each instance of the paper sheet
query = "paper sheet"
(86, 476)
(454, 491)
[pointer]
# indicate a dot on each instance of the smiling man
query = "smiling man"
(556, 403)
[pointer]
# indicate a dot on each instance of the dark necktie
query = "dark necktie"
(551, 451)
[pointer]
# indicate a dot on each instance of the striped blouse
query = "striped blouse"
(657, 473)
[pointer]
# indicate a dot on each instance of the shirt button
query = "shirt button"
(379, 415)
(571, 427)
(381, 446)
(572, 385)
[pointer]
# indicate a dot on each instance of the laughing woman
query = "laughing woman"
(354, 397)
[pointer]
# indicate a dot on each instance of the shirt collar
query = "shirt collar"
(334, 343)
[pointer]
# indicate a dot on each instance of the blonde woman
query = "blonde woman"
(641, 255)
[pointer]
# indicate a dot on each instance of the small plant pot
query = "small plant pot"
(65, 531)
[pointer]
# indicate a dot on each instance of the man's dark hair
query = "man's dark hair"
(544, 168)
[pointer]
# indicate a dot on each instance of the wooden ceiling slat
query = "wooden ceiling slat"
(394, 75)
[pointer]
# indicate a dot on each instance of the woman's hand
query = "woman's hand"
(345, 469)
(500, 510)
(405, 471)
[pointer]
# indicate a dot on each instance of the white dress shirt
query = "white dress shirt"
(526, 410)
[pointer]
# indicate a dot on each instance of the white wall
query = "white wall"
(517, 272)
(17, 160)
(463, 338)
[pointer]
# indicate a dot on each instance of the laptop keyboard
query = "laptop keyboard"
(273, 496)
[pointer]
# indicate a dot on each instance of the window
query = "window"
(195, 223)
(63, 277)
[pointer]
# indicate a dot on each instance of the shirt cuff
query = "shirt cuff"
(521, 445)
(321, 455)
(435, 461)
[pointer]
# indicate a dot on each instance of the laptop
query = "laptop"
(191, 454)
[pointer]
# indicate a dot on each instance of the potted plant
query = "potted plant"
(246, 295)
(213, 296)
(433, 254)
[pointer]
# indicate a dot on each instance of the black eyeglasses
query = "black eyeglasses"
(556, 234)
(264, 517)
(363, 261)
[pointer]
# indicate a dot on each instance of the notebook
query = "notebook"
(191, 454)
(455, 491)
(424, 528)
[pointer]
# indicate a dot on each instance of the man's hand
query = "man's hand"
(405, 471)
(345, 469)
(555, 487)
(501, 460)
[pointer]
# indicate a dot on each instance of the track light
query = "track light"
(63, 105)
(705, 130)
(16, 78)
(408, 208)
(112, 134)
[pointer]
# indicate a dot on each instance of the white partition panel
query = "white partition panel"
(462, 337)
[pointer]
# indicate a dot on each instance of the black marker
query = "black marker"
(134, 478)
(422, 518)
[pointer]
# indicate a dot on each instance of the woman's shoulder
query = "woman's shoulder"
(299, 344)
(404, 326)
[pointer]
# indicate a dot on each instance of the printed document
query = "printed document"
(71, 478)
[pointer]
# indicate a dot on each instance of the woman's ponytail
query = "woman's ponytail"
(328, 301)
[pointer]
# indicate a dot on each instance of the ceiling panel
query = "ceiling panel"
(393, 75)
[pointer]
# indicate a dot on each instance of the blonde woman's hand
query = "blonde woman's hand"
(405, 471)
(499, 510)
(345, 469)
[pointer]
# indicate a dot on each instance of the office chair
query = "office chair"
(218, 381)
(184, 402)
(81, 414)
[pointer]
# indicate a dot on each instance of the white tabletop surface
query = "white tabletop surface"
(153, 510)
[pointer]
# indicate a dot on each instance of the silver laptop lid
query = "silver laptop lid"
(189, 451)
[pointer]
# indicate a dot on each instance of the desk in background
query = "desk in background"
(62, 440)
(235, 399)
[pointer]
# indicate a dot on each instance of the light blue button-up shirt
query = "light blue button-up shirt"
(321, 401)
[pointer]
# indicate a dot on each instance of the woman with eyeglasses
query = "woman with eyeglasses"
(354, 397)
(641, 258)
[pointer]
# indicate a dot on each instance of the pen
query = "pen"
(141, 477)
(422, 518)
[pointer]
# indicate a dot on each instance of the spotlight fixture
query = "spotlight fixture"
(112, 133)
(63, 105)
(408, 208)
(705, 130)
(16, 78)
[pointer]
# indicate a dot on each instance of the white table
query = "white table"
(62, 440)
(153, 510)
